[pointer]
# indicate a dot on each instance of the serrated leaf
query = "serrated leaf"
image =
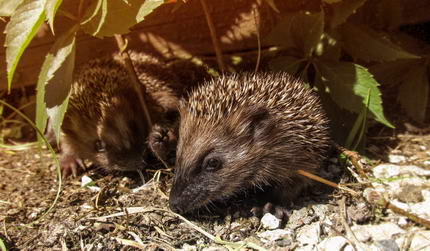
(300, 30)
(286, 63)
(363, 43)
(104, 22)
(147, 8)
(55, 80)
(51, 8)
(413, 93)
(7, 7)
(343, 10)
(349, 86)
(20, 30)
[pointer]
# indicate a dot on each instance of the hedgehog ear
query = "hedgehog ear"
(257, 122)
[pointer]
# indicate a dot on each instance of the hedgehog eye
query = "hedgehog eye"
(213, 164)
(100, 146)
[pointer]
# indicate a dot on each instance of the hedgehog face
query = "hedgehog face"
(217, 159)
(113, 139)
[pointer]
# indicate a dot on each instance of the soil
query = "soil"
(124, 214)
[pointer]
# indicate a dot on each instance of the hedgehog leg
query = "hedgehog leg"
(280, 212)
(162, 142)
(71, 165)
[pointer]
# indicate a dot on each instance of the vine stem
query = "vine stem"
(138, 86)
(215, 41)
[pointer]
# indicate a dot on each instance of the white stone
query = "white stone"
(390, 170)
(421, 241)
(333, 244)
(269, 221)
(393, 158)
(306, 248)
(188, 247)
(309, 234)
(273, 235)
(427, 162)
(85, 180)
(382, 231)
(386, 171)
(402, 221)
(87, 206)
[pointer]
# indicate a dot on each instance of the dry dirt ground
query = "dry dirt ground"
(117, 212)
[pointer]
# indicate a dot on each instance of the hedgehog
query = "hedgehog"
(105, 123)
(248, 132)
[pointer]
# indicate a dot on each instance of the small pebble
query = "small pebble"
(402, 221)
(382, 231)
(336, 243)
(269, 221)
(277, 234)
(309, 234)
(386, 245)
(392, 158)
(88, 182)
(85, 180)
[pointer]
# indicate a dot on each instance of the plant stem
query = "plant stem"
(215, 41)
(138, 86)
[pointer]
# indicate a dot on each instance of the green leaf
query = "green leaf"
(363, 43)
(359, 124)
(20, 30)
(343, 10)
(55, 80)
(413, 93)
(101, 18)
(147, 8)
(286, 63)
(51, 8)
(349, 86)
(7, 7)
(2, 245)
(300, 30)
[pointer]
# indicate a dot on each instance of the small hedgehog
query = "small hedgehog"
(242, 133)
(104, 122)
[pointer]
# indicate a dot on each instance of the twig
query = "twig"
(326, 182)
(214, 38)
(410, 216)
(354, 157)
(138, 86)
(257, 30)
(80, 8)
(351, 236)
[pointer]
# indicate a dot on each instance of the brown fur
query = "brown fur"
(104, 107)
(260, 127)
